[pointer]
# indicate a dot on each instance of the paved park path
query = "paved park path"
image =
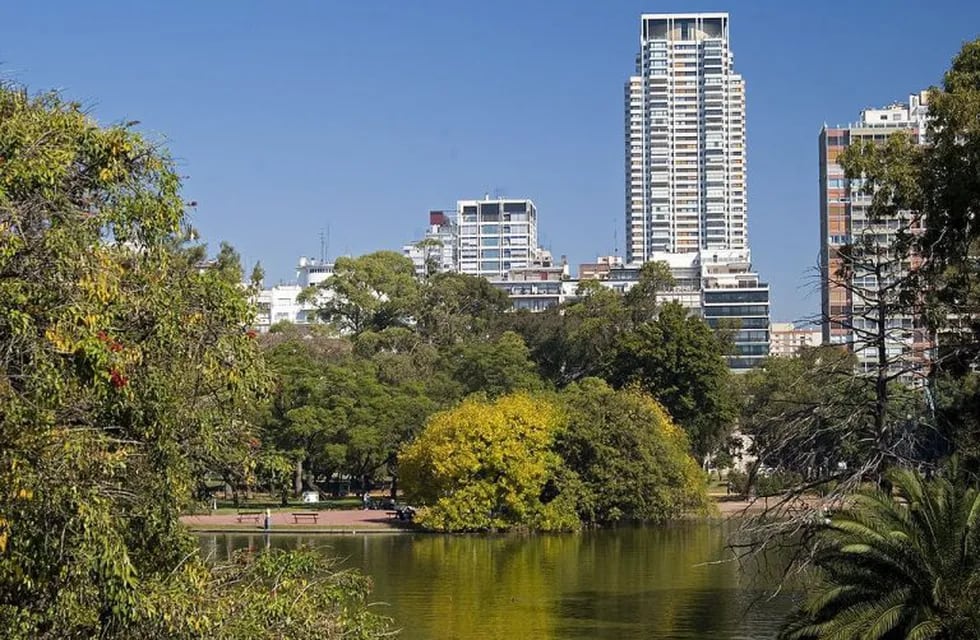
(328, 521)
(371, 521)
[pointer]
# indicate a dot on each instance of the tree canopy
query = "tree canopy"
(589, 455)
(629, 460)
(127, 370)
(677, 359)
(485, 465)
(371, 292)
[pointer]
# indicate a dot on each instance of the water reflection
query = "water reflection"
(621, 584)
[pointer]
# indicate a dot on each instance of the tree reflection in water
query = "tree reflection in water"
(619, 584)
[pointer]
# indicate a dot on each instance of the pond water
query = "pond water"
(613, 584)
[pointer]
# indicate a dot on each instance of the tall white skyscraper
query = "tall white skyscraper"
(685, 139)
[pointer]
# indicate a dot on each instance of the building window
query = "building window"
(490, 211)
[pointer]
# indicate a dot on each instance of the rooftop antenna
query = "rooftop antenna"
(324, 244)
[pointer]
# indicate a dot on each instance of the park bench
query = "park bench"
(306, 514)
(249, 515)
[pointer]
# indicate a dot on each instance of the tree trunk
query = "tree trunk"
(881, 381)
(298, 478)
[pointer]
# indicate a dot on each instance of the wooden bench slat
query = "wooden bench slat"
(297, 516)
(253, 515)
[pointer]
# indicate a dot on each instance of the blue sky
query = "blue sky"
(293, 117)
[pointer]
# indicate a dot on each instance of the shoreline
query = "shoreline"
(357, 521)
(328, 521)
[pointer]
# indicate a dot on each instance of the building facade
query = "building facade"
(685, 139)
(599, 270)
(719, 286)
(281, 303)
(736, 302)
(787, 340)
(851, 297)
(496, 236)
(538, 287)
(686, 198)
(437, 250)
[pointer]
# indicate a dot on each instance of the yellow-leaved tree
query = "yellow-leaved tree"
(487, 466)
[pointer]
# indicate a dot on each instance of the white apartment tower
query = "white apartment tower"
(685, 139)
(496, 236)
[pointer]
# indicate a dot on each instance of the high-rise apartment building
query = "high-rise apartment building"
(685, 176)
(685, 139)
(852, 297)
(496, 236)
(489, 238)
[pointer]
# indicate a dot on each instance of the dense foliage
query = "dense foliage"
(629, 459)
(678, 359)
(396, 347)
(335, 412)
(486, 465)
(632, 340)
(902, 561)
(905, 568)
(273, 594)
(589, 455)
(126, 372)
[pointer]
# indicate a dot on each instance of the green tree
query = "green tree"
(456, 307)
(342, 411)
(228, 263)
(655, 277)
(577, 339)
(126, 371)
(678, 360)
(957, 418)
(630, 461)
(431, 248)
(370, 292)
(901, 569)
(485, 466)
(294, 421)
(950, 181)
(258, 276)
(494, 368)
(273, 594)
(593, 325)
